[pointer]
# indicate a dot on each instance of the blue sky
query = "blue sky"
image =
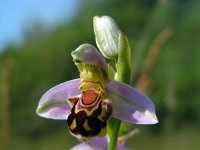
(15, 15)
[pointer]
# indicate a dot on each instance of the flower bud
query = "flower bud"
(107, 35)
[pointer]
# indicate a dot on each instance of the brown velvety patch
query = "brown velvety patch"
(95, 125)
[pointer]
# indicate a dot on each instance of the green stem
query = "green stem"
(123, 66)
(114, 126)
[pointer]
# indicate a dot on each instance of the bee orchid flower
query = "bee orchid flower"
(88, 102)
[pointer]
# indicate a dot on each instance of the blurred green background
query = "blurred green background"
(165, 39)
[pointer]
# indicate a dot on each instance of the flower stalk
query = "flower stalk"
(113, 132)
(123, 66)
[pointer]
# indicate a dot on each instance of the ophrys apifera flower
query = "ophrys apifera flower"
(88, 102)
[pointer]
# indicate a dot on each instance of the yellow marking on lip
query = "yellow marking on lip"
(103, 132)
(73, 125)
(86, 126)
(101, 116)
(88, 112)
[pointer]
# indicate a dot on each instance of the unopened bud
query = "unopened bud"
(107, 35)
